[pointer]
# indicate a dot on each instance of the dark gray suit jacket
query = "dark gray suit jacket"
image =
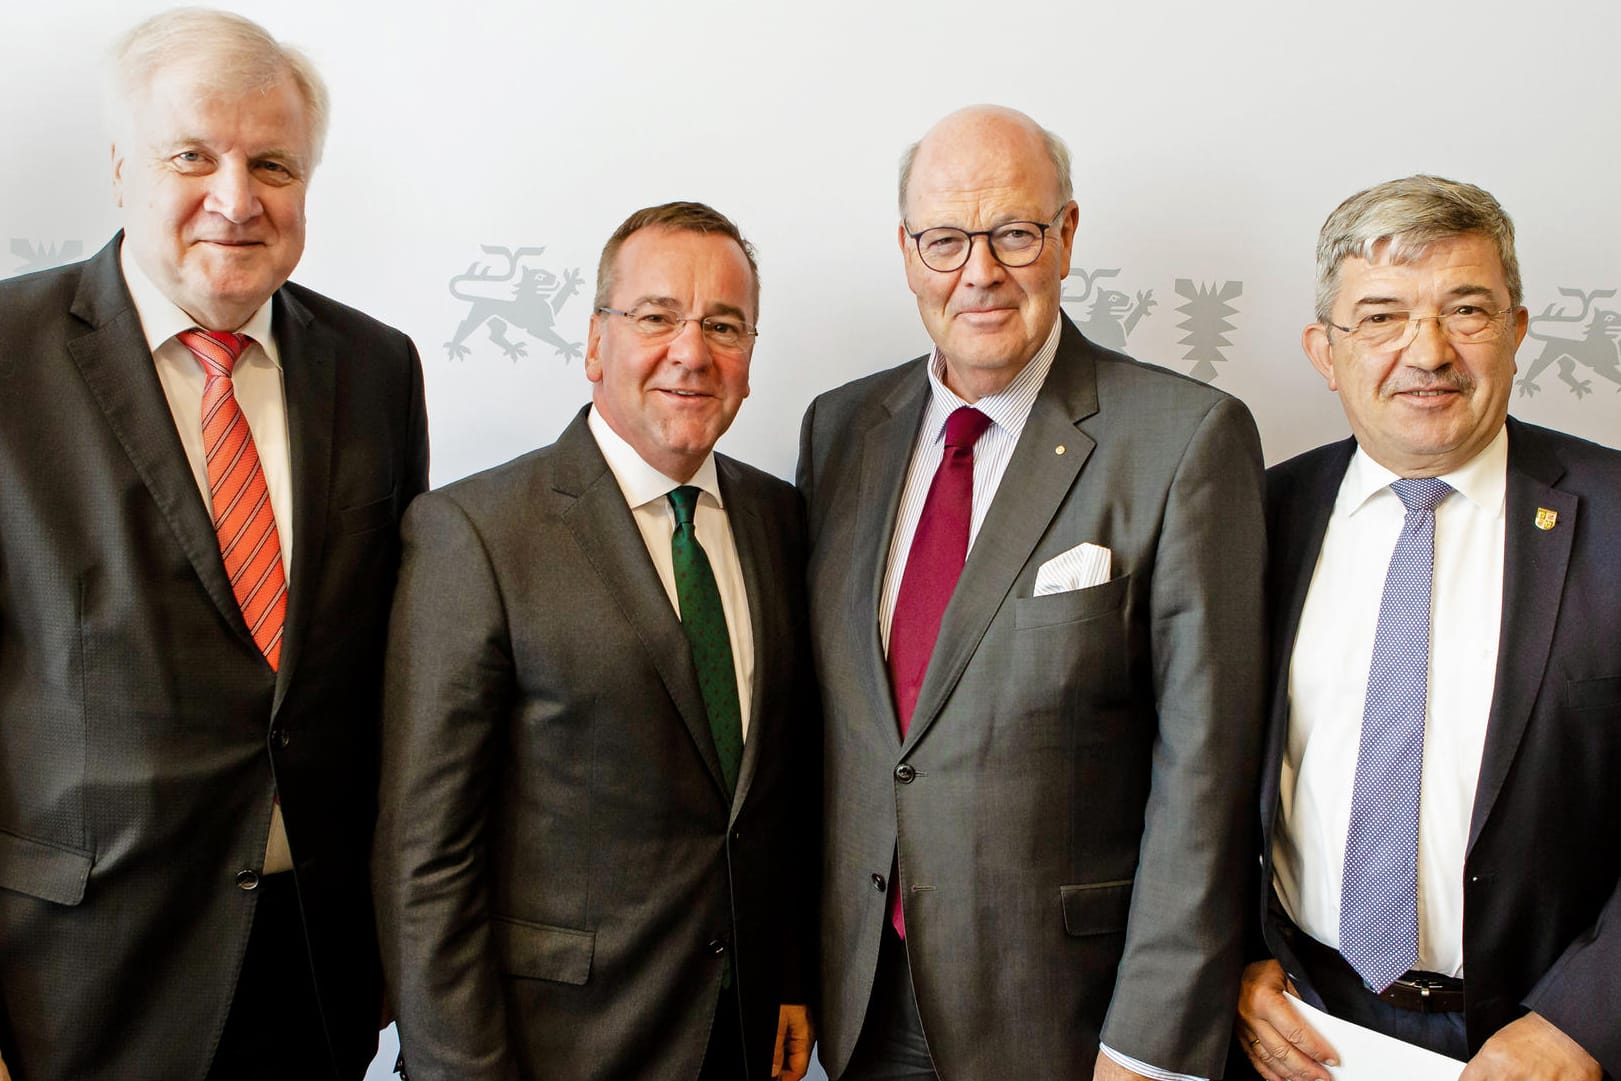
(1542, 874)
(141, 731)
(1069, 818)
(561, 877)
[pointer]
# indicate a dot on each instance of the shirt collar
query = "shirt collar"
(161, 319)
(1009, 407)
(639, 482)
(1483, 479)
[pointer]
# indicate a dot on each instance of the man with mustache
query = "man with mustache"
(1439, 799)
(1036, 607)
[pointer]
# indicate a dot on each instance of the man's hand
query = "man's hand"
(5, 1074)
(1279, 1043)
(1531, 1049)
(791, 1059)
(1107, 1069)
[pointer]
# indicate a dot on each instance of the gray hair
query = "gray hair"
(241, 57)
(1409, 215)
(1057, 153)
(677, 217)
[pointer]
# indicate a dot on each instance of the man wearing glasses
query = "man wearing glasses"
(596, 797)
(1439, 795)
(1036, 606)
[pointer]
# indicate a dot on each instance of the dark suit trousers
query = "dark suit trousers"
(723, 1061)
(1349, 999)
(274, 1031)
(891, 1046)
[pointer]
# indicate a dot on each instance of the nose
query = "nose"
(982, 268)
(231, 192)
(1430, 348)
(689, 347)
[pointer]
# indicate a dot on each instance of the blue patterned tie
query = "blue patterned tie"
(1379, 890)
(704, 621)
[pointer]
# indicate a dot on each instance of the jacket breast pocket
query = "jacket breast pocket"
(1071, 606)
(49, 872)
(537, 951)
(1594, 693)
(366, 517)
(1096, 908)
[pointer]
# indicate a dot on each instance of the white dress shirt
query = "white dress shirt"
(1009, 409)
(1328, 679)
(258, 386)
(645, 490)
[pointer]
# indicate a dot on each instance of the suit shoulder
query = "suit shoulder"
(349, 320)
(25, 297)
(1585, 459)
(867, 389)
(1125, 374)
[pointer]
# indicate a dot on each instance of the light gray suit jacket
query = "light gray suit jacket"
(561, 878)
(1069, 806)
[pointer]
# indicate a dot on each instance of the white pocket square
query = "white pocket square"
(1082, 566)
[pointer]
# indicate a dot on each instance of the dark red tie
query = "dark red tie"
(939, 550)
(242, 515)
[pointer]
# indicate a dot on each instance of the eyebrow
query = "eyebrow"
(1468, 289)
(675, 305)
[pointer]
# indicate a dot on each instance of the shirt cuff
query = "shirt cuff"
(1144, 1068)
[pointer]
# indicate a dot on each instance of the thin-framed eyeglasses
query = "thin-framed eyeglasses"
(945, 248)
(1396, 330)
(660, 324)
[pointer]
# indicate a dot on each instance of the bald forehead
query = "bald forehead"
(983, 150)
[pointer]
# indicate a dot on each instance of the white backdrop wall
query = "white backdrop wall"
(1210, 141)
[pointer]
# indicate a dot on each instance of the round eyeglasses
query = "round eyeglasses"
(945, 248)
(658, 324)
(1396, 330)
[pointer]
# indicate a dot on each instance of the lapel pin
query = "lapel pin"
(1546, 519)
(1059, 449)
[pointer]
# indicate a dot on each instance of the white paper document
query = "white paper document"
(1082, 566)
(1366, 1055)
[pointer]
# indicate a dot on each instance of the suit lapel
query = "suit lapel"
(1534, 565)
(750, 537)
(886, 454)
(1297, 523)
(309, 378)
(607, 535)
(116, 365)
(1037, 480)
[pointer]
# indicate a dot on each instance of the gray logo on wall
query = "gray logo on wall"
(518, 295)
(41, 256)
(1587, 337)
(1113, 315)
(1205, 320)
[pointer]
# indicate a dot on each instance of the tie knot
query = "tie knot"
(965, 426)
(216, 350)
(1421, 493)
(683, 501)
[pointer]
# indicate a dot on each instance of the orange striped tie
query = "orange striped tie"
(242, 514)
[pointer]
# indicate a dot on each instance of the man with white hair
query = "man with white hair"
(203, 469)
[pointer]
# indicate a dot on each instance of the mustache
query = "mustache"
(1441, 379)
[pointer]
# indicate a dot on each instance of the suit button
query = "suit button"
(718, 947)
(905, 774)
(280, 737)
(247, 880)
(878, 883)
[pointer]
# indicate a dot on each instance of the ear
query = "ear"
(1320, 351)
(118, 176)
(1522, 323)
(593, 346)
(1068, 226)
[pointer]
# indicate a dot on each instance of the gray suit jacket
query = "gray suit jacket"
(142, 733)
(1068, 806)
(1542, 872)
(561, 878)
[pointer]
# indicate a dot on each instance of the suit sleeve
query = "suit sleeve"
(1581, 994)
(1178, 979)
(447, 692)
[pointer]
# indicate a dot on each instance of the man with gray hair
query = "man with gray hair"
(1036, 607)
(1438, 798)
(202, 468)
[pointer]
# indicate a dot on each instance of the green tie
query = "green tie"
(704, 621)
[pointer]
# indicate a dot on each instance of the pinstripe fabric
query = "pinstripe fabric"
(241, 502)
